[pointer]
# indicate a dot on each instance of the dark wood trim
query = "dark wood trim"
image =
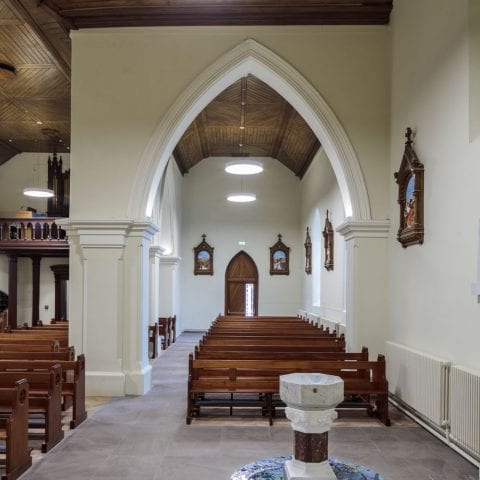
(308, 161)
(124, 14)
(61, 273)
(200, 123)
(287, 116)
(12, 290)
(36, 259)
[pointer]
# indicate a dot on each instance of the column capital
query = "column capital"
(156, 251)
(170, 260)
(106, 233)
(352, 229)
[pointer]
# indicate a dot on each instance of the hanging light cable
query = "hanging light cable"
(38, 191)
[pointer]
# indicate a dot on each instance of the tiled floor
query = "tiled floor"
(145, 438)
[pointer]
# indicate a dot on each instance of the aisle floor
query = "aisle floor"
(146, 438)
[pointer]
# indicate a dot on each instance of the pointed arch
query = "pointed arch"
(250, 57)
(240, 272)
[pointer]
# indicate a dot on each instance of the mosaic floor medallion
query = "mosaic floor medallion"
(272, 469)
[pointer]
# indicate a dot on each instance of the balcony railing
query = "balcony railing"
(35, 232)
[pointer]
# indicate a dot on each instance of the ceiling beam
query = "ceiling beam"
(121, 13)
(287, 116)
(308, 161)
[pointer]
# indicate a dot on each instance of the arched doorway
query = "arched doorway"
(241, 286)
(250, 57)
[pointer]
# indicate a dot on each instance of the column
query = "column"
(12, 290)
(366, 284)
(136, 365)
(61, 273)
(36, 259)
(109, 275)
(155, 253)
(168, 286)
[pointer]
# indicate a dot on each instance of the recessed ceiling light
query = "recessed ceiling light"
(244, 167)
(242, 197)
(39, 122)
(242, 127)
(10, 140)
(7, 71)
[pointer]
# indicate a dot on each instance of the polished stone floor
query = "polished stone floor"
(146, 438)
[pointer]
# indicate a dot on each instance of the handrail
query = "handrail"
(31, 229)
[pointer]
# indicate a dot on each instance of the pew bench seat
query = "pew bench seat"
(14, 430)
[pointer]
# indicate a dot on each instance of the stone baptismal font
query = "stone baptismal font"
(310, 400)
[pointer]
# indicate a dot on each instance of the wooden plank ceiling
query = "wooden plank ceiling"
(249, 118)
(35, 104)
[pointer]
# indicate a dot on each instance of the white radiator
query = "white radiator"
(465, 409)
(419, 380)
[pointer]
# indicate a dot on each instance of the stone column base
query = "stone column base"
(297, 470)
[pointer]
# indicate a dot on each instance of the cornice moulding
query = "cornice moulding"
(364, 229)
(170, 260)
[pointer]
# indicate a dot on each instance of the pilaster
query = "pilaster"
(168, 301)
(367, 284)
(109, 302)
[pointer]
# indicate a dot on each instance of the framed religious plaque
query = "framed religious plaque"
(279, 258)
(203, 258)
(410, 196)
(328, 243)
(308, 253)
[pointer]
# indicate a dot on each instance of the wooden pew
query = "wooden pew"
(174, 328)
(251, 376)
(14, 429)
(68, 354)
(206, 354)
(164, 330)
(153, 335)
(246, 342)
(45, 398)
(72, 387)
(31, 346)
(30, 335)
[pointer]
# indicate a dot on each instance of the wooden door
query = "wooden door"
(241, 285)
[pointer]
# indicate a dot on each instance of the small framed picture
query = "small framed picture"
(328, 243)
(308, 253)
(203, 258)
(279, 258)
(410, 196)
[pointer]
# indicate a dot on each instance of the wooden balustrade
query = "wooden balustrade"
(35, 232)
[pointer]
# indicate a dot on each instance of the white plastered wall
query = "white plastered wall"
(323, 291)
(431, 306)
(206, 210)
(124, 83)
(20, 172)
(118, 108)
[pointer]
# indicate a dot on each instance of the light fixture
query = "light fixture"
(244, 167)
(7, 71)
(38, 192)
(241, 197)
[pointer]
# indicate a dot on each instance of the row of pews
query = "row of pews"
(39, 378)
(239, 360)
(164, 331)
